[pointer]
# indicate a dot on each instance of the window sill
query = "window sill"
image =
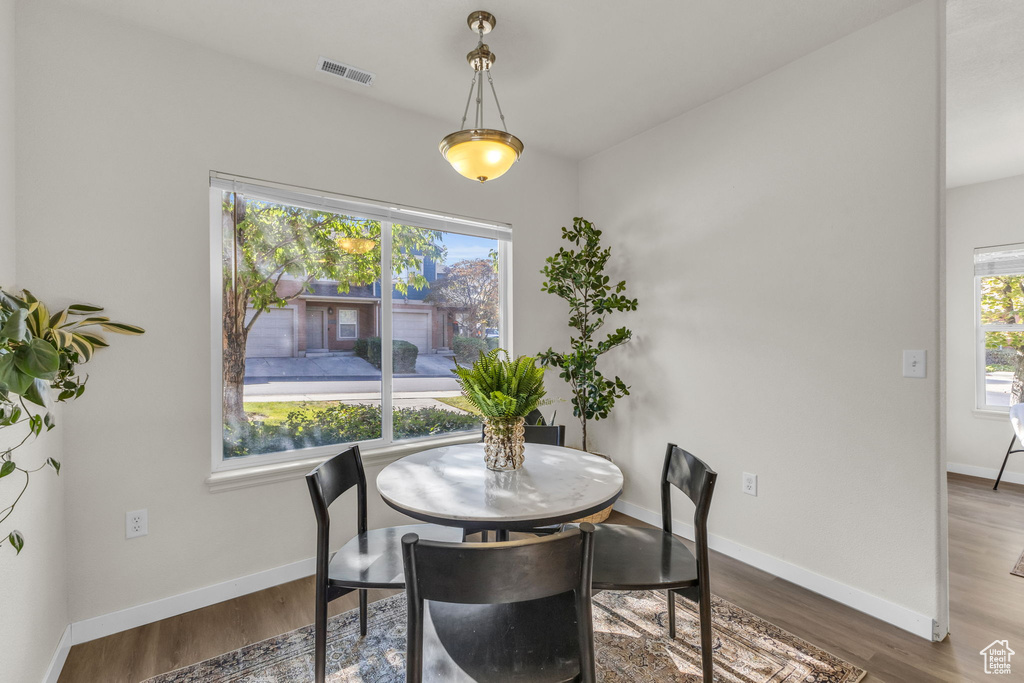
(257, 475)
(1001, 415)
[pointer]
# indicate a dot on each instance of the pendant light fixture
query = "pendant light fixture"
(481, 153)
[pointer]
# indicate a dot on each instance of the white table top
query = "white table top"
(451, 485)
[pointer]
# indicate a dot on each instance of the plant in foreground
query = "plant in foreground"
(39, 353)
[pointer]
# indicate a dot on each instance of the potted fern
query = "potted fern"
(505, 391)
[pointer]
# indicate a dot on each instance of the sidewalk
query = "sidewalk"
(336, 368)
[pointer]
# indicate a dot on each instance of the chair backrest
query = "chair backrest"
(494, 573)
(499, 573)
(551, 435)
(331, 479)
(693, 477)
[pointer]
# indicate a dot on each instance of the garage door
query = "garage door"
(273, 335)
(412, 327)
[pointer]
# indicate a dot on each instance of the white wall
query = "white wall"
(7, 272)
(118, 131)
(982, 215)
(783, 241)
(35, 606)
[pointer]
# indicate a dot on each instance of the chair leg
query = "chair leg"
(671, 615)
(707, 643)
(362, 612)
(320, 634)
(1009, 449)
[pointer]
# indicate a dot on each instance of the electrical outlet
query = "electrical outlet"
(750, 483)
(136, 523)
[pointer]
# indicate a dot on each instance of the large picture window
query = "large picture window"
(316, 289)
(999, 293)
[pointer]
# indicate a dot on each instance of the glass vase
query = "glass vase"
(503, 443)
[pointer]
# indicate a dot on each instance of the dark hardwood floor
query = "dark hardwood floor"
(986, 534)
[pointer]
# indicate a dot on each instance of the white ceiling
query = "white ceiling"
(984, 90)
(574, 78)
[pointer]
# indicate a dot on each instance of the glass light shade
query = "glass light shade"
(355, 245)
(481, 154)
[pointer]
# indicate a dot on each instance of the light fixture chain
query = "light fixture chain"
(496, 102)
(469, 98)
(479, 100)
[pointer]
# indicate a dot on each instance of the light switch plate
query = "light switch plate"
(915, 364)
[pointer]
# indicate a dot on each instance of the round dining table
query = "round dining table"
(452, 486)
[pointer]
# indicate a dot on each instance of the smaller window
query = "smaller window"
(999, 293)
(348, 323)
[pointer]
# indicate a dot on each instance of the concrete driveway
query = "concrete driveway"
(337, 368)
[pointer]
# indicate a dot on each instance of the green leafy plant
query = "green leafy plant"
(577, 275)
(501, 387)
(39, 353)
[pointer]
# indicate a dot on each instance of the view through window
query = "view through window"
(306, 329)
(999, 283)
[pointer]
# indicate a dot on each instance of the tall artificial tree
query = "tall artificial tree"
(577, 275)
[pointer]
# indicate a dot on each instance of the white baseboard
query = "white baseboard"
(139, 615)
(877, 607)
(60, 655)
(984, 472)
(132, 617)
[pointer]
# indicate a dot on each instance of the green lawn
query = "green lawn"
(275, 412)
(460, 402)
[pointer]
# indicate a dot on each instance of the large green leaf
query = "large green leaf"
(39, 393)
(11, 378)
(15, 327)
(7, 468)
(38, 358)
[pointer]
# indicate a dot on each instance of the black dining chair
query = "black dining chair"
(515, 611)
(372, 559)
(635, 558)
(550, 435)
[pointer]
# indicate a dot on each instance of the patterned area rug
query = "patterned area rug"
(1018, 569)
(629, 633)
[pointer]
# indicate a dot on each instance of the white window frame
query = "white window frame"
(387, 213)
(337, 321)
(981, 392)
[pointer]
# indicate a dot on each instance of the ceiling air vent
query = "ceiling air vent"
(346, 71)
